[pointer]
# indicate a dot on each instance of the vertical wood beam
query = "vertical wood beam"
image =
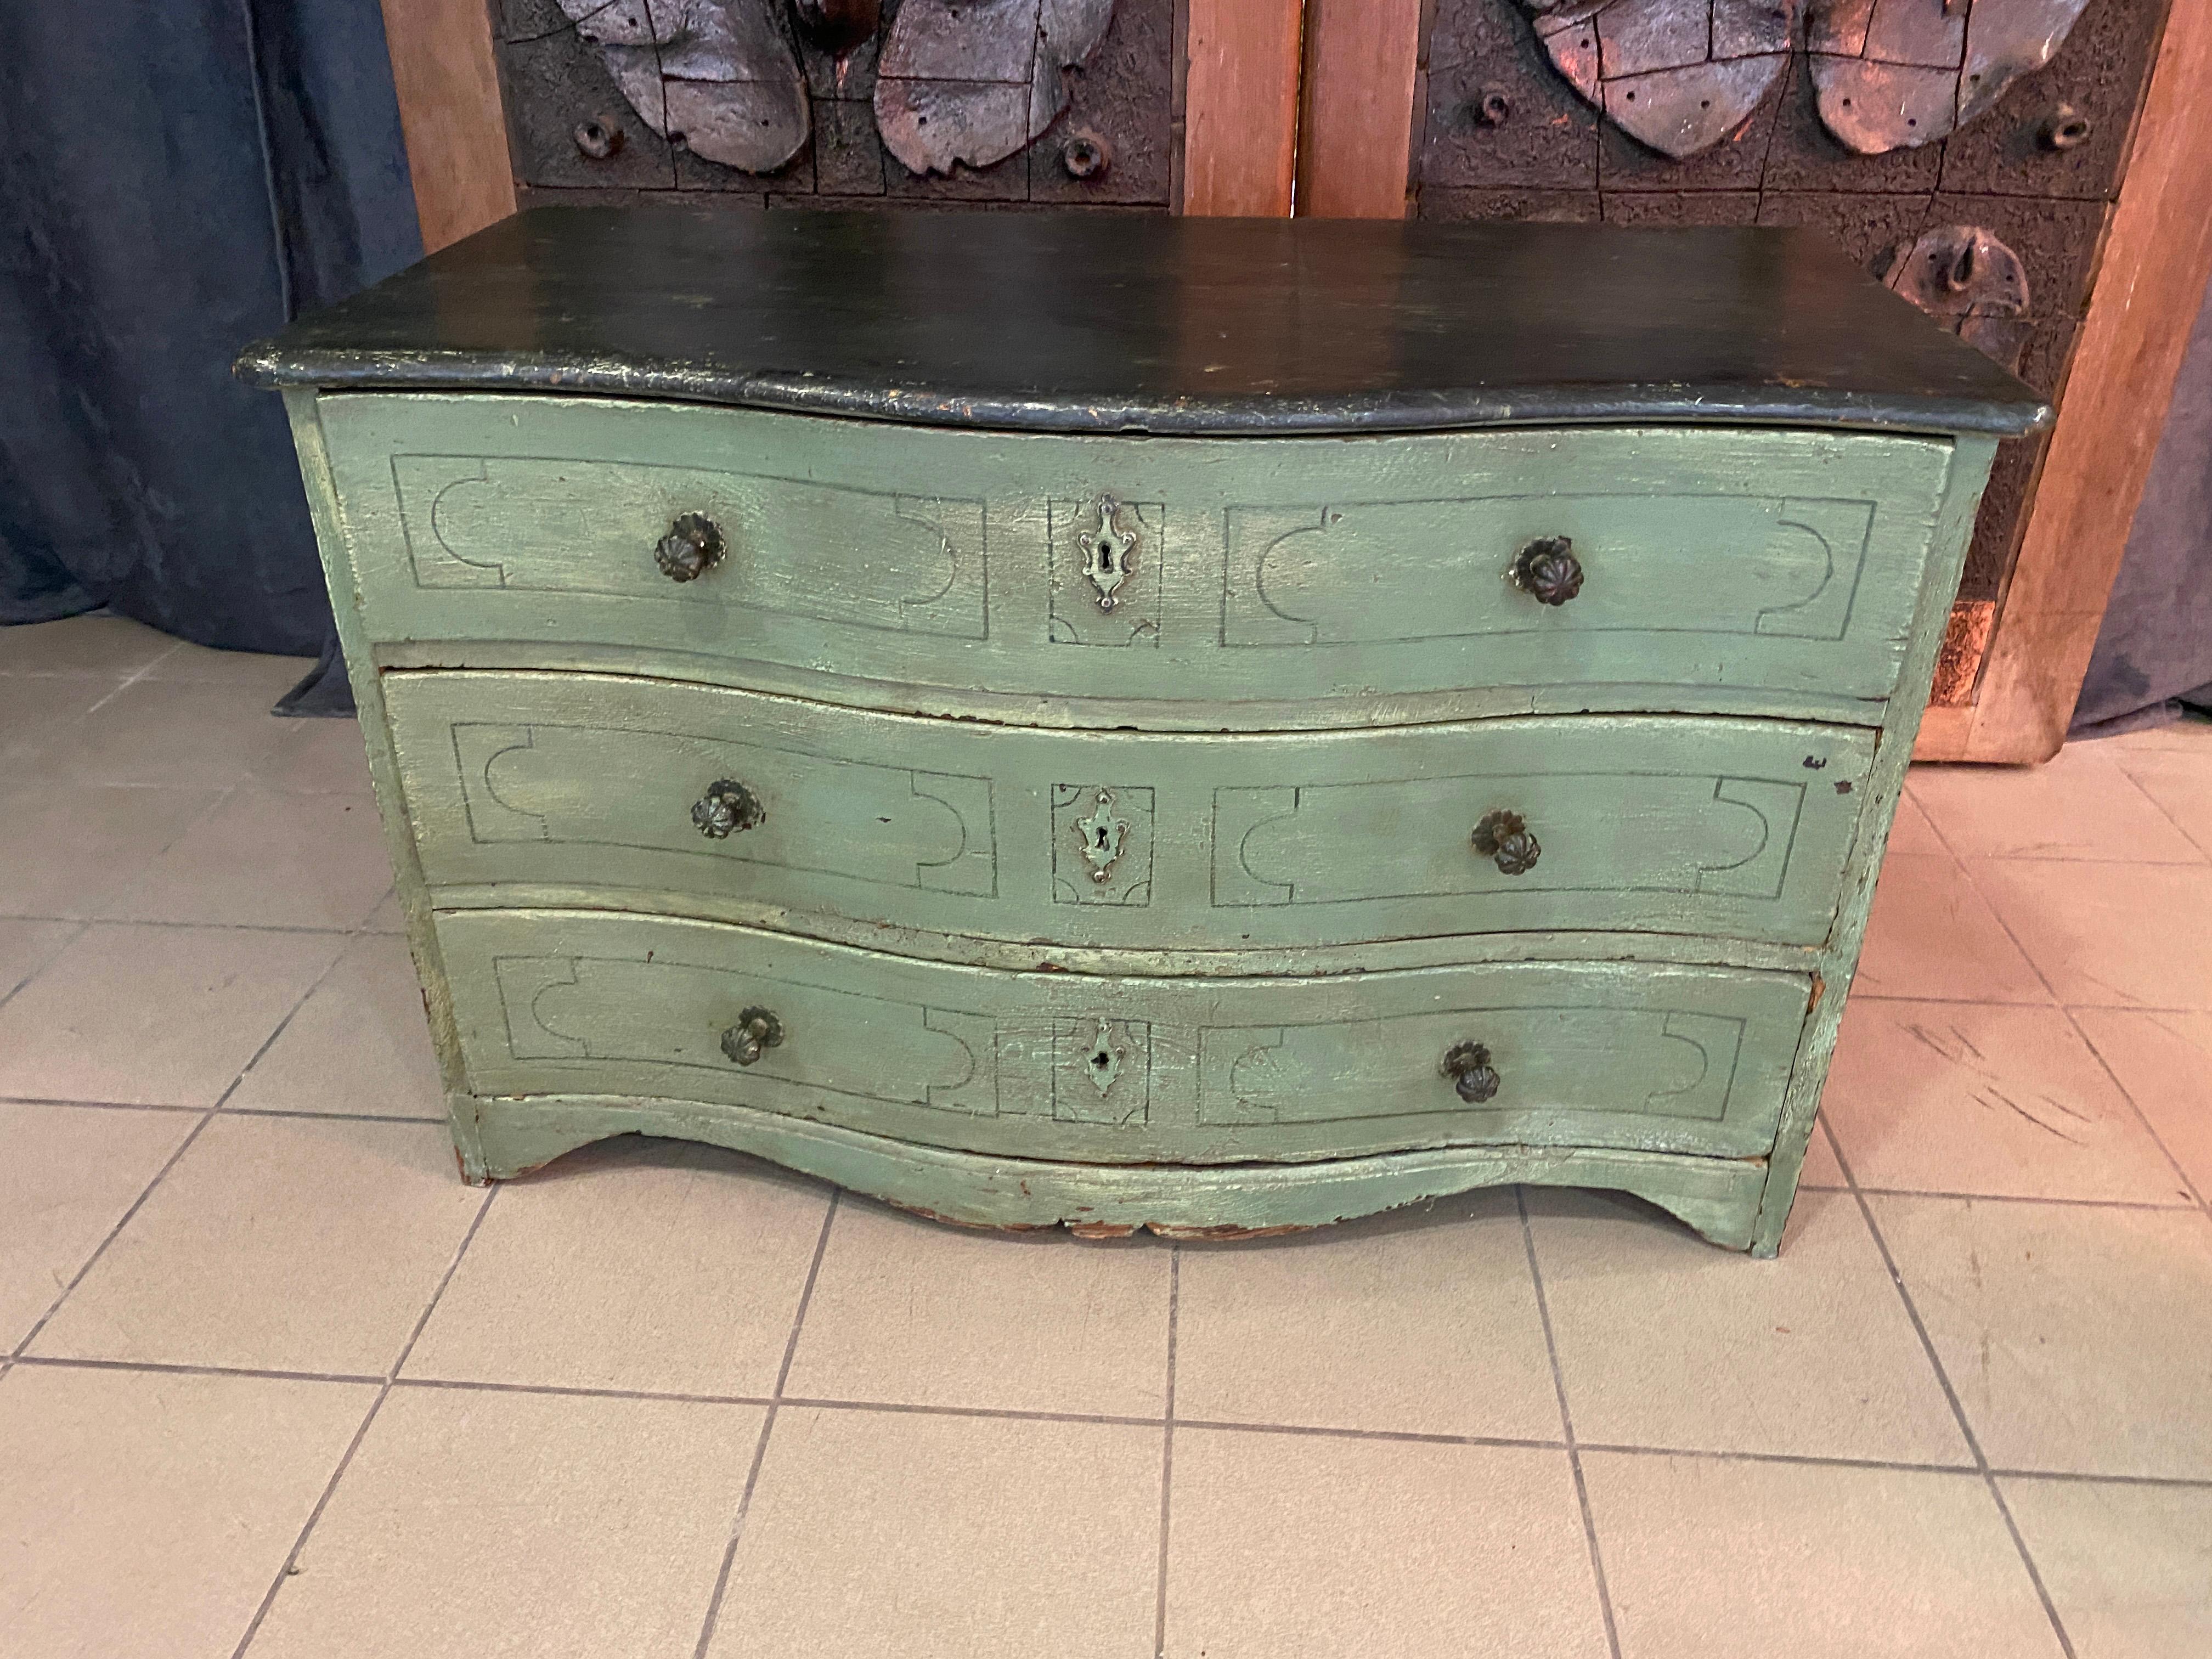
(2157, 258)
(1241, 106)
(450, 115)
(1355, 141)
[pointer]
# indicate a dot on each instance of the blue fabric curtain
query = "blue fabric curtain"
(2154, 656)
(178, 178)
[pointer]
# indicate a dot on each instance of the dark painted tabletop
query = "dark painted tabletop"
(1109, 322)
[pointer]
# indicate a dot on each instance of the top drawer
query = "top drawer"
(1214, 583)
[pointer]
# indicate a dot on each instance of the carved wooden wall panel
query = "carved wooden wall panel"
(1502, 133)
(1013, 101)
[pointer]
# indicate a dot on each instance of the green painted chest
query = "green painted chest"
(1207, 726)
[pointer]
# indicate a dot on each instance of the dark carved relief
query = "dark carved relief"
(973, 83)
(1897, 74)
(955, 83)
(722, 75)
(1970, 282)
(1681, 75)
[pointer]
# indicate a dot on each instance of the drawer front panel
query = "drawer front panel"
(1205, 582)
(1656, 1058)
(599, 785)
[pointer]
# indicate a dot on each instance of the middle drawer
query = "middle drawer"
(649, 794)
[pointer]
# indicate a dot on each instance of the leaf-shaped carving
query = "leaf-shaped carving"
(1894, 74)
(973, 81)
(720, 75)
(1678, 76)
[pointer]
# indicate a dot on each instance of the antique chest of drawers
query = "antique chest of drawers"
(1216, 725)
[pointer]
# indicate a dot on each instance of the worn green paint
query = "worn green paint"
(1705, 596)
(1637, 1056)
(1732, 827)
(1358, 580)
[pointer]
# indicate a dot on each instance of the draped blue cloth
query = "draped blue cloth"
(177, 178)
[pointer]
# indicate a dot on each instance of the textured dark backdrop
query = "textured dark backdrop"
(178, 178)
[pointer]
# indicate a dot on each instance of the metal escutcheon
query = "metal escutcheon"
(690, 548)
(1467, 1065)
(756, 1031)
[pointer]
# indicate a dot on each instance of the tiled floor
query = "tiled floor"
(273, 1381)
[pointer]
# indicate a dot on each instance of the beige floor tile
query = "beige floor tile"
(2106, 933)
(265, 859)
(2079, 805)
(307, 1244)
(67, 1175)
(1314, 1546)
(67, 849)
(2192, 732)
(2128, 1568)
(41, 715)
(2164, 1063)
(1954, 1097)
(263, 675)
(1911, 834)
(1422, 1321)
(2079, 1339)
(918, 1313)
(2180, 781)
(110, 647)
(387, 917)
(1932, 935)
(927, 1537)
(1717, 1558)
(146, 1513)
(28, 946)
(361, 1043)
(1665, 1342)
(632, 1264)
(524, 1526)
(154, 1016)
(324, 757)
(1821, 1169)
(183, 735)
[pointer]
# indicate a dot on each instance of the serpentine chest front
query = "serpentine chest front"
(1140, 758)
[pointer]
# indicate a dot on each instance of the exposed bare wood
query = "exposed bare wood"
(449, 113)
(1241, 110)
(1356, 137)
(2157, 256)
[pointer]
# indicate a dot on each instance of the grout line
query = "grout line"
(131, 679)
(48, 960)
(1957, 1407)
(375, 1406)
(469, 1385)
(207, 1116)
(203, 927)
(2204, 1198)
(1006, 1412)
(1798, 1459)
(1323, 1431)
(2141, 1117)
(72, 1362)
(1567, 1428)
(2020, 1198)
(101, 1105)
(768, 1427)
(1167, 1456)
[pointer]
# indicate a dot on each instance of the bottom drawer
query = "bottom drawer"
(1642, 1056)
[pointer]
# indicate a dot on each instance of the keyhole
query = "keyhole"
(1098, 1063)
